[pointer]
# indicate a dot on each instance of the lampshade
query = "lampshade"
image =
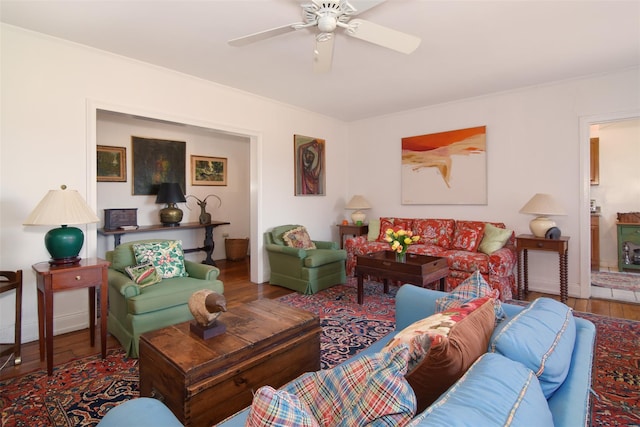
(542, 205)
(358, 203)
(63, 207)
(170, 193)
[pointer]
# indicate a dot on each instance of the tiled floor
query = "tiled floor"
(614, 294)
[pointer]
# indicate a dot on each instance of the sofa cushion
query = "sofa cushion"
(468, 235)
(319, 257)
(173, 292)
(298, 238)
(394, 223)
(494, 238)
(144, 274)
(443, 347)
(471, 288)
(437, 232)
(167, 257)
(272, 407)
(518, 401)
(374, 230)
(368, 390)
(541, 337)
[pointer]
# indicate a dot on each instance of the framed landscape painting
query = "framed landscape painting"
(309, 167)
(156, 161)
(445, 168)
(208, 170)
(112, 164)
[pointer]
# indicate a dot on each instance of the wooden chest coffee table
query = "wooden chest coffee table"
(420, 270)
(205, 381)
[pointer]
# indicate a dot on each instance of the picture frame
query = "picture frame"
(309, 166)
(451, 166)
(111, 164)
(156, 161)
(208, 170)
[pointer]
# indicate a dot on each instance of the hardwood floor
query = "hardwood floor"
(238, 289)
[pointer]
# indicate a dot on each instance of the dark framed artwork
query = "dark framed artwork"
(112, 164)
(156, 161)
(445, 168)
(309, 168)
(208, 170)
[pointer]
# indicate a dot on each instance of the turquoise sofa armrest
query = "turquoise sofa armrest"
(122, 283)
(286, 250)
(201, 271)
(140, 412)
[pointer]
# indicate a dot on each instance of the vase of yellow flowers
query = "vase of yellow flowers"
(399, 241)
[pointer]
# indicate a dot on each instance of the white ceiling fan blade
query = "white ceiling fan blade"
(252, 38)
(323, 55)
(382, 36)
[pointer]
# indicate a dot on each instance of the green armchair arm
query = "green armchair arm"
(201, 271)
(326, 245)
(286, 250)
(122, 283)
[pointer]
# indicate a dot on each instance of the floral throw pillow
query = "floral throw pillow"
(468, 235)
(144, 274)
(166, 256)
(298, 238)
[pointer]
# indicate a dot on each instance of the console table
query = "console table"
(208, 247)
(524, 242)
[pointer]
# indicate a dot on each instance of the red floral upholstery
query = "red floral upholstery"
(498, 269)
(468, 235)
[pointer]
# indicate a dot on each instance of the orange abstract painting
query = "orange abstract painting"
(445, 167)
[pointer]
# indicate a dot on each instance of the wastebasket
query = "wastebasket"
(236, 249)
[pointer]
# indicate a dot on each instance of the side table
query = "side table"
(13, 281)
(524, 242)
(89, 273)
(351, 230)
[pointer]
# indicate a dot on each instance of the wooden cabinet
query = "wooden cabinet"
(595, 161)
(629, 234)
(595, 242)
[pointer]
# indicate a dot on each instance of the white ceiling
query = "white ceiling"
(469, 48)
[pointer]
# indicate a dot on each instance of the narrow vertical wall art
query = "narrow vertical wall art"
(446, 168)
(310, 174)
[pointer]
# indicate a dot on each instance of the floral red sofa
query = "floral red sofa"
(467, 245)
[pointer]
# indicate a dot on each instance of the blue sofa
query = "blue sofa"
(568, 405)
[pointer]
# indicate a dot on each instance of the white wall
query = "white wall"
(116, 129)
(50, 92)
(534, 145)
(619, 188)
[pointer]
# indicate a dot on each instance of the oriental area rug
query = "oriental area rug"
(616, 280)
(81, 391)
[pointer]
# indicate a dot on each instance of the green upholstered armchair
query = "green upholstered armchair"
(134, 310)
(304, 270)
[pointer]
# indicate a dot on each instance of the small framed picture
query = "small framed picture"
(208, 170)
(112, 164)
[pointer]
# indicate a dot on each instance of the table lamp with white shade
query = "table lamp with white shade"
(358, 204)
(63, 207)
(542, 205)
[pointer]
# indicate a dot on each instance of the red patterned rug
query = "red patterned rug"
(616, 280)
(80, 392)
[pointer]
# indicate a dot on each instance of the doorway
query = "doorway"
(616, 190)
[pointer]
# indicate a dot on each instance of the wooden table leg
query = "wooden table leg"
(442, 284)
(48, 327)
(104, 308)
(525, 253)
(564, 292)
(385, 285)
(41, 336)
(360, 288)
(92, 316)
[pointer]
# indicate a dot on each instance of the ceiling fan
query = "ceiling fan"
(327, 16)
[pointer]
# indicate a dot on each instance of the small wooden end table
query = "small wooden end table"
(352, 230)
(526, 242)
(89, 273)
(420, 270)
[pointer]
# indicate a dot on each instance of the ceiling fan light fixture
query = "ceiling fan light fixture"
(327, 24)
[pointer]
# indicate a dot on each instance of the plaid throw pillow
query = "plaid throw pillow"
(278, 408)
(370, 390)
(471, 288)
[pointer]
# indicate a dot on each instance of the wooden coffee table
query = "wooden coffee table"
(205, 381)
(420, 270)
